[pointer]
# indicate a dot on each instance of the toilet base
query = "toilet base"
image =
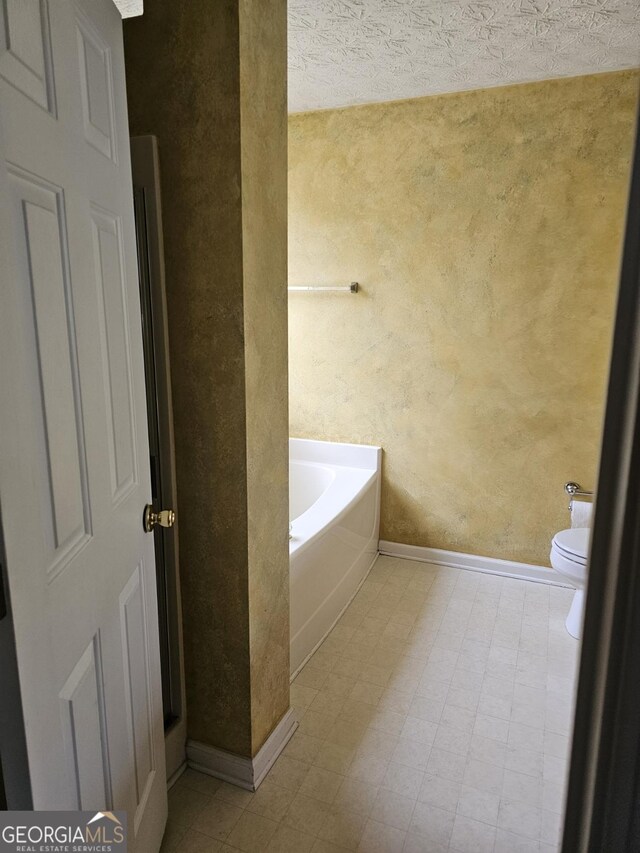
(573, 621)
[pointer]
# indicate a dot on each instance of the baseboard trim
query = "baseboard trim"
(171, 781)
(239, 770)
(472, 563)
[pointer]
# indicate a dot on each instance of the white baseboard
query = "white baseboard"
(239, 770)
(171, 781)
(473, 563)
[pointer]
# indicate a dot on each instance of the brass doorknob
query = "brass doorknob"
(165, 518)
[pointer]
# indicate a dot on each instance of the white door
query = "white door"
(74, 476)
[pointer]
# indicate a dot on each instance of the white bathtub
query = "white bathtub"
(334, 494)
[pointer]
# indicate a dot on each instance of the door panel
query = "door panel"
(38, 219)
(111, 284)
(96, 84)
(26, 50)
(82, 700)
(74, 475)
(137, 678)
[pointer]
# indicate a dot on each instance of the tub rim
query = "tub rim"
(364, 476)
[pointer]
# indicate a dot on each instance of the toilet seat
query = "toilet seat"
(569, 552)
(573, 544)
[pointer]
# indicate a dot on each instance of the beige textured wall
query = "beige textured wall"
(193, 80)
(263, 76)
(485, 228)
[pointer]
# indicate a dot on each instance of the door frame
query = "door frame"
(145, 167)
(15, 784)
(603, 799)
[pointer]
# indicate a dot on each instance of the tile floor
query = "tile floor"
(435, 717)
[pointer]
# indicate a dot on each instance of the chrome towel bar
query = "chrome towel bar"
(352, 288)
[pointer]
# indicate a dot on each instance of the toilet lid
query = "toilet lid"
(574, 543)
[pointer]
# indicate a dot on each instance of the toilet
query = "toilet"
(569, 553)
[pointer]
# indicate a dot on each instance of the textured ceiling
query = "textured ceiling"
(344, 52)
(129, 8)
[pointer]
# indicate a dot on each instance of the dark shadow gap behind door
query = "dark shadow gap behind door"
(146, 188)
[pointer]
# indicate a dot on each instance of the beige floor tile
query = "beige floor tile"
(303, 747)
(323, 660)
(271, 800)
(453, 740)
(252, 833)
(289, 772)
(375, 673)
(310, 677)
(434, 718)
(200, 782)
(520, 818)
(376, 742)
(507, 842)
(335, 758)
(366, 692)
(338, 685)
(315, 724)
(328, 703)
(397, 701)
(356, 796)
(428, 707)
(458, 718)
(173, 834)
(359, 652)
(550, 828)
(491, 727)
(381, 838)
(467, 675)
(478, 804)
(522, 788)
(411, 753)
(439, 792)
(417, 729)
(343, 827)
(417, 844)
(321, 846)
(306, 814)
(234, 795)
(358, 714)
(432, 824)
(389, 722)
(393, 809)
(347, 733)
(196, 842)
(461, 697)
(488, 750)
(485, 777)
(321, 784)
(522, 760)
(347, 667)
(217, 819)
(301, 696)
(553, 796)
(448, 765)
(403, 780)
(287, 840)
(472, 836)
(493, 707)
(185, 804)
(368, 768)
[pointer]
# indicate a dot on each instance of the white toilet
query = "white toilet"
(569, 552)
